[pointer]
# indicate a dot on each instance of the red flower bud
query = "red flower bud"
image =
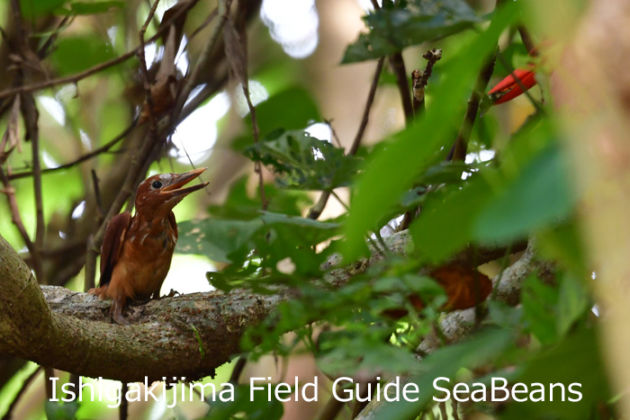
(508, 88)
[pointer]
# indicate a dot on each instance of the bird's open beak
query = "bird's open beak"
(179, 180)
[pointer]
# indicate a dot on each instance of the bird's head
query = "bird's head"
(157, 195)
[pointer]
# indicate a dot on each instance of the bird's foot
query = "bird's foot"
(116, 313)
(119, 319)
(98, 291)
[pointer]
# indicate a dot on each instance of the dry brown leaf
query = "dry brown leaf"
(465, 288)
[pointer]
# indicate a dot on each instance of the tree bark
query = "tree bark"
(172, 337)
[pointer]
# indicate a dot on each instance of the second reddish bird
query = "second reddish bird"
(137, 251)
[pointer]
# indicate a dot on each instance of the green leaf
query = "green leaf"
(239, 204)
(77, 53)
(564, 243)
(34, 8)
(539, 309)
(61, 410)
(220, 240)
(215, 238)
(577, 358)
(541, 195)
(486, 346)
(392, 29)
(573, 302)
(290, 109)
(503, 315)
(447, 220)
(244, 406)
(392, 171)
(304, 162)
(362, 354)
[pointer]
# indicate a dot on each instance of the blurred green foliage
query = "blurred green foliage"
(372, 324)
(401, 24)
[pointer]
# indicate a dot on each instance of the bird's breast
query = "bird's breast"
(146, 256)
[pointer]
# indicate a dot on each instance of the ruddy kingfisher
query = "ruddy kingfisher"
(137, 251)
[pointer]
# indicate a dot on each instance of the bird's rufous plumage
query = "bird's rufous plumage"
(137, 251)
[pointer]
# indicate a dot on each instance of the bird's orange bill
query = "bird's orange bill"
(179, 180)
(509, 88)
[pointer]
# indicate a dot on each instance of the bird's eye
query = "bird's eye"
(156, 184)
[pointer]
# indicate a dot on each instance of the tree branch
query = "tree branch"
(187, 335)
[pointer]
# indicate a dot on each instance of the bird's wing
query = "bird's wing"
(113, 245)
(171, 220)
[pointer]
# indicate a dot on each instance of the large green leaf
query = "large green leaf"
(539, 309)
(290, 109)
(76, 53)
(393, 170)
(541, 195)
(34, 8)
(242, 405)
(573, 302)
(239, 205)
(222, 240)
(392, 29)
(576, 359)
(304, 162)
(215, 238)
(447, 220)
(484, 347)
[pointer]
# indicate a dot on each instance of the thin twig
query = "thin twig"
(123, 410)
(366, 111)
(238, 369)
(95, 69)
(97, 196)
(454, 406)
(205, 23)
(421, 79)
(8, 415)
(9, 191)
(42, 52)
(104, 148)
(332, 409)
(443, 413)
(335, 137)
(527, 40)
(459, 150)
(30, 115)
(236, 54)
(398, 66)
(344, 205)
(318, 208)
